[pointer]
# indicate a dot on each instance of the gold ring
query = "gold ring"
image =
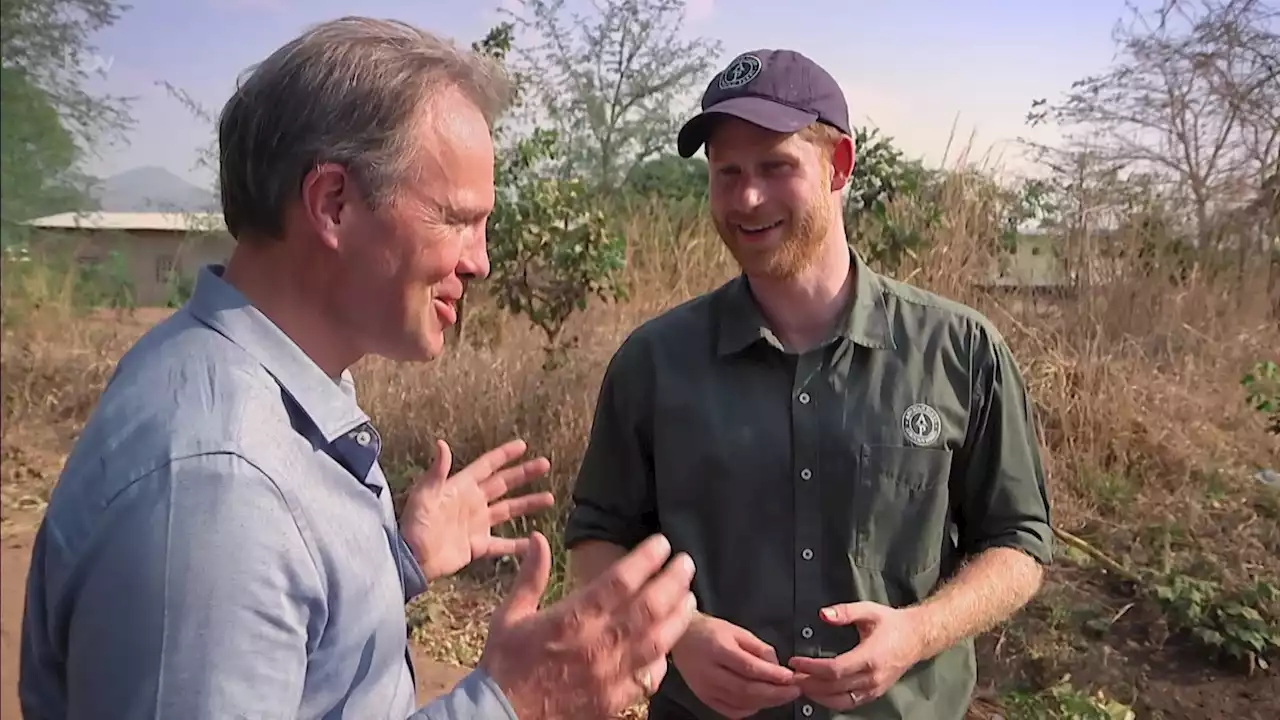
(646, 682)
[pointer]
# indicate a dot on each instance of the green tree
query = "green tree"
(50, 41)
(551, 247)
(615, 83)
(1191, 101)
(882, 175)
(670, 177)
(47, 119)
(37, 156)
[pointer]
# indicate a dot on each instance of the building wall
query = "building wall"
(149, 256)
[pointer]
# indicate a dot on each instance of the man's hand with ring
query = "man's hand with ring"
(889, 645)
(607, 641)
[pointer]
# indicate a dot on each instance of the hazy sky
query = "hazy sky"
(910, 67)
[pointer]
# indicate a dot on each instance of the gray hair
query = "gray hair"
(346, 91)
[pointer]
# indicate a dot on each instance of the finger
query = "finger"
(530, 583)
(500, 483)
(661, 637)
(644, 683)
(826, 675)
(749, 667)
(498, 546)
(663, 595)
(439, 469)
(757, 647)
(494, 460)
(625, 577)
(856, 613)
(842, 700)
(738, 698)
(836, 701)
(519, 507)
(653, 675)
(759, 694)
(862, 684)
(820, 669)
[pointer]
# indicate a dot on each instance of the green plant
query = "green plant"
(105, 284)
(1262, 391)
(881, 176)
(1063, 701)
(1238, 624)
(551, 247)
(178, 290)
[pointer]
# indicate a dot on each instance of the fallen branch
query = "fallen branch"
(1097, 555)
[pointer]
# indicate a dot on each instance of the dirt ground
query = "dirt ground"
(15, 556)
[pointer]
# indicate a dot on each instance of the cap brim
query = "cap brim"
(758, 111)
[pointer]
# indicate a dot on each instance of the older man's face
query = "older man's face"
(409, 262)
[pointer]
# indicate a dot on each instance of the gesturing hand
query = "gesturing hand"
(598, 650)
(731, 670)
(446, 520)
(888, 646)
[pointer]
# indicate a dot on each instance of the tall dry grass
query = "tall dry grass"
(1135, 380)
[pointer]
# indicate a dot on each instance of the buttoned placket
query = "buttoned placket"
(360, 449)
(807, 524)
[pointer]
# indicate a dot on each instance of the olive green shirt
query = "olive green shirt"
(865, 469)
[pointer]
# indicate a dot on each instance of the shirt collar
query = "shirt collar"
(865, 320)
(330, 404)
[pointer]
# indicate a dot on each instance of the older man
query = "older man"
(221, 543)
(851, 461)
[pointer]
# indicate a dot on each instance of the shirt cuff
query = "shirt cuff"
(476, 697)
(415, 582)
(586, 522)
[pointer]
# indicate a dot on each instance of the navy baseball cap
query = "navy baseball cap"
(779, 90)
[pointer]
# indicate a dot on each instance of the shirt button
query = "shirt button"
(805, 474)
(363, 438)
(807, 554)
(804, 398)
(806, 633)
(806, 710)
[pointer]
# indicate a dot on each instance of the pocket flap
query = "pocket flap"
(912, 468)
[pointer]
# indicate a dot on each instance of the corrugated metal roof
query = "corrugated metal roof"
(160, 221)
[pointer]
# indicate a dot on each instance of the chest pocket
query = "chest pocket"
(901, 501)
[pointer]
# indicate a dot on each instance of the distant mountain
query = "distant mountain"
(152, 189)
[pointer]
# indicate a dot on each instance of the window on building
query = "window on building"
(165, 267)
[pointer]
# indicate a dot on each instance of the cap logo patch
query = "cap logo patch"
(921, 424)
(741, 71)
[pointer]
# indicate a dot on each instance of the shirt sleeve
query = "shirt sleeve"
(476, 697)
(1002, 500)
(415, 581)
(613, 497)
(197, 602)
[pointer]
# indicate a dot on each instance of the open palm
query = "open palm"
(447, 521)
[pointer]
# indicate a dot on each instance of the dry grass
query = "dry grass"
(1146, 433)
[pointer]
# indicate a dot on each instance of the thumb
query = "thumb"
(530, 583)
(439, 469)
(756, 646)
(856, 613)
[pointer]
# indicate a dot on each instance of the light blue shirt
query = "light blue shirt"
(222, 544)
